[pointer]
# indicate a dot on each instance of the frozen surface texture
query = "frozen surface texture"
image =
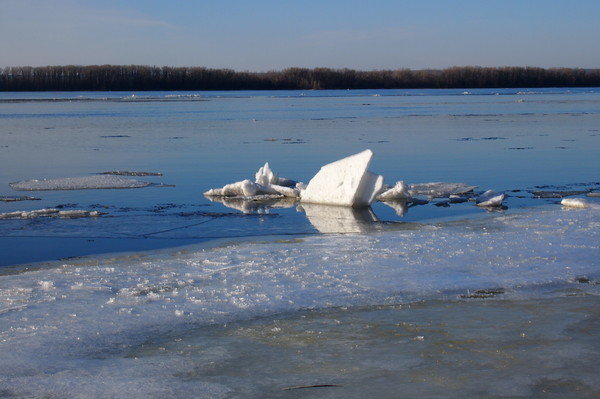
(49, 212)
(84, 326)
(439, 189)
(345, 182)
(78, 183)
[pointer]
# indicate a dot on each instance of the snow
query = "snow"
(490, 198)
(439, 189)
(78, 183)
(346, 182)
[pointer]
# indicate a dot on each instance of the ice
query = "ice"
(398, 192)
(346, 182)
(130, 173)
(267, 183)
(578, 203)
(266, 177)
(50, 212)
(490, 198)
(339, 219)
(6, 198)
(105, 326)
(439, 189)
(79, 183)
(245, 187)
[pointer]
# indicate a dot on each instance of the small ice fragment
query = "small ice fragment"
(490, 198)
(594, 194)
(46, 285)
(78, 183)
(130, 173)
(78, 214)
(244, 187)
(398, 192)
(575, 203)
(5, 198)
(345, 182)
(439, 189)
(50, 212)
(266, 177)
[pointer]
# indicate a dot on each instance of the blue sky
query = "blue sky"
(264, 35)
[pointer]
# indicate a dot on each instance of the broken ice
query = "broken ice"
(78, 183)
(345, 182)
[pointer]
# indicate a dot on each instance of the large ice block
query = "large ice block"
(345, 182)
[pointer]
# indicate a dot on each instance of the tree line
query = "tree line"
(142, 77)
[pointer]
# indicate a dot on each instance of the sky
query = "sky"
(262, 35)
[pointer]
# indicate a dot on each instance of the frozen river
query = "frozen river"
(169, 294)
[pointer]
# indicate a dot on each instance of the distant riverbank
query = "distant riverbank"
(147, 78)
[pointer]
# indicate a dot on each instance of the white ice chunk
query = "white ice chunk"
(398, 192)
(345, 182)
(490, 198)
(339, 219)
(78, 183)
(266, 177)
(244, 187)
(575, 203)
(439, 189)
(285, 191)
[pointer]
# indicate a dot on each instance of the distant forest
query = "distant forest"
(139, 78)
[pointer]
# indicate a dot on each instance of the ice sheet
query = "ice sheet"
(61, 325)
(78, 183)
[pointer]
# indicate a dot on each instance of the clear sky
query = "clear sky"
(260, 35)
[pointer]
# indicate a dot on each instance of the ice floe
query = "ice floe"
(578, 203)
(490, 198)
(345, 182)
(130, 173)
(50, 212)
(439, 189)
(10, 198)
(78, 183)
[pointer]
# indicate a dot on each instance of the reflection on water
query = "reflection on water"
(324, 218)
(340, 219)
(258, 204)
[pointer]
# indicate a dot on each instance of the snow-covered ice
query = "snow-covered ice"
(578, 203)
(50, 212)
(346, 182)
(439, 189)
(78, 183)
